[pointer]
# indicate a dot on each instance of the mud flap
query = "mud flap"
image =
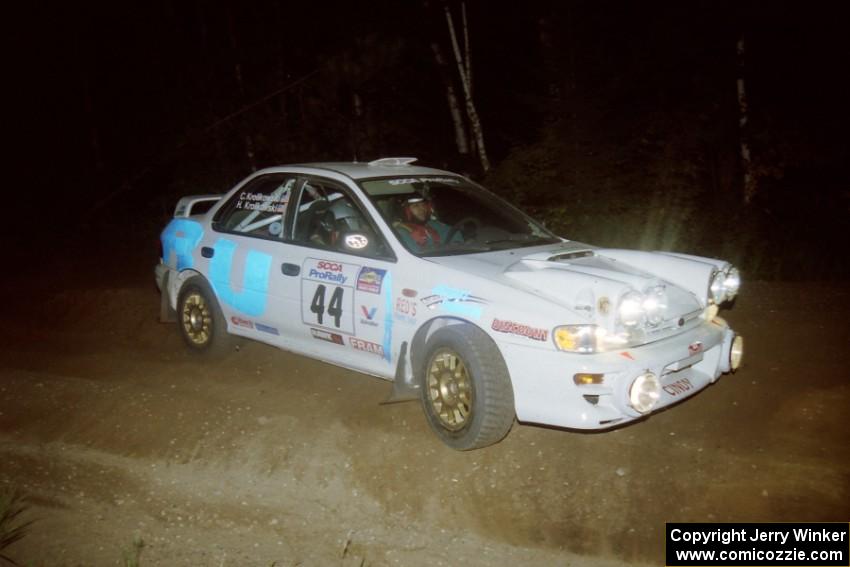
(404, 390)
(166, 313)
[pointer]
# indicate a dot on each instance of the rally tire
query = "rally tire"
(466, 390)
(200, 320)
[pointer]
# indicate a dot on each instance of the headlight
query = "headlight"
(631, 309)
(583, 339)
(644, 392)
(655, 305)
(732, 283)
(724, 285)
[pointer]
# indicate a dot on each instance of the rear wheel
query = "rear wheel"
(466, 394)
(201, 322)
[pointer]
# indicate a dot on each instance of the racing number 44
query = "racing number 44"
(334, 309)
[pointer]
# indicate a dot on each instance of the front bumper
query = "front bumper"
(545, 393)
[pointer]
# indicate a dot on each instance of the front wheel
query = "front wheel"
(201, 322)
(466, 390)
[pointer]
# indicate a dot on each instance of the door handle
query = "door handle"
(290, 269)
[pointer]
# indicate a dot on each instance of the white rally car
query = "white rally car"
(422, 277)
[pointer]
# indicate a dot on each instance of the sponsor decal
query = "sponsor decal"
(327, 336)
(604, 305)
(627, 354)
(405, 306)
(368, 316)
(325, 270)
(356, 241)
(240, 322)
(370, 279)
(266, 329)
(458, 301)
(409, 292)
(678, 387)
(695, 348)
(366, 346)
(519, 329)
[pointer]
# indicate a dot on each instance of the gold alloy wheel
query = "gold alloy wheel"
(197, 318)
(450, 389)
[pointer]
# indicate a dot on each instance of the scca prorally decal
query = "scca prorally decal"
(519, 329)
(328, 271)
(326, 336)
(370, 279)
(366, 346)
(266, 329)
(255, 281)
(181, 236)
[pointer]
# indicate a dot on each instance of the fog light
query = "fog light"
(644, 392)
(736, 353)
(585, 378)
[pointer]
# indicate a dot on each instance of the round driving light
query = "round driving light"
(736, 353)
(732, 282)
(631, 309)
(716, 289)
(644, 392)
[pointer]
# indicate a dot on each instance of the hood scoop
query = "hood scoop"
(559, 255)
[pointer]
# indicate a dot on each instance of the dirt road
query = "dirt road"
(268, 458)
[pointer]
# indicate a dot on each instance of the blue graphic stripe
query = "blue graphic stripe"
(181, 236)
(388, 316)
(255, 281)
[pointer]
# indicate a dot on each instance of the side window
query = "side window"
(329, 217)
(259, 208)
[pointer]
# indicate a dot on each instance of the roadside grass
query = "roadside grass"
(12, 505)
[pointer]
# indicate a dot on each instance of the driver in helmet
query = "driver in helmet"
(419, 230)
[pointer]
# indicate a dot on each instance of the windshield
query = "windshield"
(443, 216)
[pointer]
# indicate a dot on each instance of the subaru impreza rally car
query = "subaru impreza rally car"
(490, 319)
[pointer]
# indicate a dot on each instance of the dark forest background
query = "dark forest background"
(615, 122)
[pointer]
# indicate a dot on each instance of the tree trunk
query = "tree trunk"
(237, 73)
(461, 139)
(750, 185)
(471, 112)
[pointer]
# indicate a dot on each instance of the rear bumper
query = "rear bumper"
(545, 392)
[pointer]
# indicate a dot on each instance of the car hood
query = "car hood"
(590, 281)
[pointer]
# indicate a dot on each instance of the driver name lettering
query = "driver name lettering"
(263, 203)
(519, 329)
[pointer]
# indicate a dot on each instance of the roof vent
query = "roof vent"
(393, 161)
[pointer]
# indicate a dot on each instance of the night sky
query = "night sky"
(124, 107)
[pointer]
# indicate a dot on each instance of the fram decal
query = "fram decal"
(366, 346)
(240, 322)
(266, 329)
(327, 336)
(513, 328)
(251, 300)
(181, 236)
(370, 279)
(678, 387)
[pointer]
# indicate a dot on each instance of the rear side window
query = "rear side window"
(258, 208)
